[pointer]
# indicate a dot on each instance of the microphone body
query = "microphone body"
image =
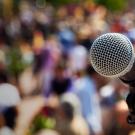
(112, 55)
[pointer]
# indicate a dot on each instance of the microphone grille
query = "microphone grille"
(112, 55)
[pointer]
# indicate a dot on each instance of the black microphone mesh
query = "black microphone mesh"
(112, 55)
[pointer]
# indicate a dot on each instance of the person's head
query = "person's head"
(73, 100)
(59, 71)
(64, 118)
(78, 60)
(9, 95)
(66, 111)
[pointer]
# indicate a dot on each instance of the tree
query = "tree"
(113, 5)
(62, 2)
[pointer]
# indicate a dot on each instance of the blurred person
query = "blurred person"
(127, 22)
(28, 79)
(45, 20)
(9, 95)
(64, 117)
(38, 41)
(27, 52)
(116, 25)
(7, 121)
(78, 58)
(79, 13)
(67, 39)
(85, 88)
(13, 28)
(42, 23)
(29, 83)
(45, 55)
(53, 45)
(26, 32)
(52, 118)
(61, 83)
(26, 12)
(26, 17)
(78, 124)
(62, 13)
(98, 20)
(120, 125)
(50, 57)
(85, 34)
(73, 100)
(9, 99)
(110, 94)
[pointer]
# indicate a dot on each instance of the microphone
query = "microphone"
(112, 55)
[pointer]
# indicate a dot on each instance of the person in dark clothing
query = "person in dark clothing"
(60, 83)
(3, 77)
(10, 115)
(60, 86)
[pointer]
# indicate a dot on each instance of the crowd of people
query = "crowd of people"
(47, 83)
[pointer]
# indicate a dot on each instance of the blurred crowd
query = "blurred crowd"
(47, 84)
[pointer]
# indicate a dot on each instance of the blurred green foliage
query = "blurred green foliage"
(16, 4)
(15, 63)
(42, 122)
(63, 2)
(113, 5)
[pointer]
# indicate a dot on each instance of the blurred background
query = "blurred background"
(47, 84)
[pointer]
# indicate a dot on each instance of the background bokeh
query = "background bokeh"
(47, 83)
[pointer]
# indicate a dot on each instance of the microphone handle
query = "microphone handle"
(130, 100)
(129, 78)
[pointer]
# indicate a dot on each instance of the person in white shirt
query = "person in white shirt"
(9, 98)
